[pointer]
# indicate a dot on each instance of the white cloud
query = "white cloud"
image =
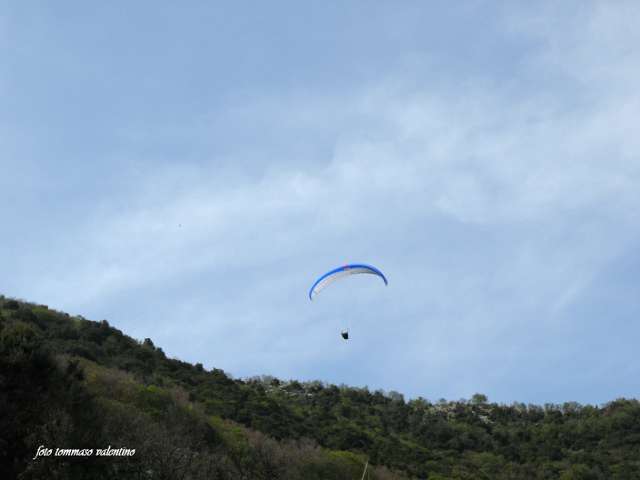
(492, 208)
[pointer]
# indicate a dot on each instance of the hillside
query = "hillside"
(69, 382)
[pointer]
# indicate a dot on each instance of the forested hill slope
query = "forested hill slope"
(68, 382)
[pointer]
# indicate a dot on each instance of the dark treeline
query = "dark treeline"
(68, 382)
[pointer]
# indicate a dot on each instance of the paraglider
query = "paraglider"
(337, 273)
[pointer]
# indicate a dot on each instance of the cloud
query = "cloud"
(494, 206)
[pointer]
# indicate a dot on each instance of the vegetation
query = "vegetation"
(68, 382)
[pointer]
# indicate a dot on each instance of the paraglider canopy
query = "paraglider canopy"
(340, 272)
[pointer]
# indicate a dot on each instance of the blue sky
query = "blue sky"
(186, 172)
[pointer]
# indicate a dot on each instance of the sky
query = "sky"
(186, 171)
